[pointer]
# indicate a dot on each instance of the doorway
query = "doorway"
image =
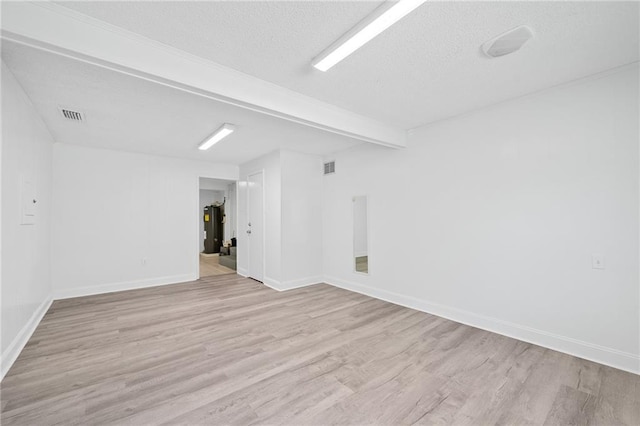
(255, 225)
(217, 229)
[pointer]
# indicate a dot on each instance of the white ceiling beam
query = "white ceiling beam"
(60, 30)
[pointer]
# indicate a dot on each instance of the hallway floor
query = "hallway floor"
(209, 267)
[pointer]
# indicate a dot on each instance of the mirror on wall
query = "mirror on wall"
(360, 236)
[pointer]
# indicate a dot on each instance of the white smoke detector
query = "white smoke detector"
(507, 42)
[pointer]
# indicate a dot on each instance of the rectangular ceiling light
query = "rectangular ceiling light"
(381, 19)
(225, 130)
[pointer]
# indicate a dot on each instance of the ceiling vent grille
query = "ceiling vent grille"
(72, 115)
(329, 167)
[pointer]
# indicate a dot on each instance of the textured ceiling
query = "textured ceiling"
(130, 114)
(425, 68)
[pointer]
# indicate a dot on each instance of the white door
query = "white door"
(255, 226)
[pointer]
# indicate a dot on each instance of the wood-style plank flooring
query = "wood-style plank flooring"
(228, 350)
(362, 264)
(210, 266)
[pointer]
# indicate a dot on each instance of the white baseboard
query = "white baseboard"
(592, 352)
(270, 282)
(291, 284)
(285, 285)
(301, 282)
(128, 285)
(10, 354)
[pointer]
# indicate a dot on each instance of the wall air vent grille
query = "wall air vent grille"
(329, 168)
(72, 115)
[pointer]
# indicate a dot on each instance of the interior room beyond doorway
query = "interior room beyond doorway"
(217, 227)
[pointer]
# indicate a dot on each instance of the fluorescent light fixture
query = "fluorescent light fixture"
(381, 19)
(225, 130)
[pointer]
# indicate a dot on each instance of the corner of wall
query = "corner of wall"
(27, 149)
(292, 284)
(16, 346)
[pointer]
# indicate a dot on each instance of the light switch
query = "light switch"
(27, 200)
(597, 261)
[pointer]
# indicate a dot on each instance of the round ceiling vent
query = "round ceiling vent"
(507, 42)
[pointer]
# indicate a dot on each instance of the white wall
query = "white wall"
(26, 271)
(360, 238)
(496, 215)
(270, 166)
(208, 197)
(124, 220)
(293, 218)
(301, 219)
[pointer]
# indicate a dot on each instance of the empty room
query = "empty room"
(320, 213)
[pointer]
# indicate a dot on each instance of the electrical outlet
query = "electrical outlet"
(144, 261)
(597, 261)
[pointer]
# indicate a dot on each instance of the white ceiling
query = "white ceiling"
(425, 68)
(131, 114)
(214, 184)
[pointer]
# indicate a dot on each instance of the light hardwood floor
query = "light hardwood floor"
(228, 350)
(210, 266)
(362, 264)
